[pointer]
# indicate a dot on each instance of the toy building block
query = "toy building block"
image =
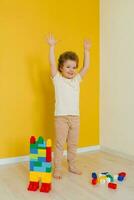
(94, 175)
(33, 186)
(120, 178)
(40, 164)
(108, 180)
(104, 177)
(115, 177)
(104, 173)
(111, 177)
(94, 181)
(45, 187)
(32, 140)
(122, 174)
(112, 186)
(48, 151)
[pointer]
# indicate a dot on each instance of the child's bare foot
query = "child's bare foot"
(75, 171)
(57, 174)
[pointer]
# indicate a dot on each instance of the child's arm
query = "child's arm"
(86, 63)
(52, 42)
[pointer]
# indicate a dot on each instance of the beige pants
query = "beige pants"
(67, 130)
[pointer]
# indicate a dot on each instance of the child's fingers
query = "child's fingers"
(87, 41)
(51, 36)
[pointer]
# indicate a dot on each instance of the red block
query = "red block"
(112, 185)
(122, 174)
(45, 187)
(33, 186)
(94, 181)
(32, 140)
(48, 154)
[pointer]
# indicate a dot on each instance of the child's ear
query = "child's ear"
(61, 68)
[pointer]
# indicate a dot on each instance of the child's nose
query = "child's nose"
(72, 70)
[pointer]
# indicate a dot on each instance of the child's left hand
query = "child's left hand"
(87, 44)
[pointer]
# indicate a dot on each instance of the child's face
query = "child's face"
(68, 69)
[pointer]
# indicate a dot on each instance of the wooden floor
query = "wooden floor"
(14, 180)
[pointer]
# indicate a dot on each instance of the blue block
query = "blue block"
(42, 159)
(34, 151)
(120, 178)
(42, 145)
(94, 175)
(31, 165)
(46, 164)
(34, 159)
(39, 169)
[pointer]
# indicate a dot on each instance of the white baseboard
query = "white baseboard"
(4, 161)
(117, 153)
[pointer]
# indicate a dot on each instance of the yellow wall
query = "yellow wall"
(26, 90)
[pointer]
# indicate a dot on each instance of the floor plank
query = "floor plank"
(14, 180)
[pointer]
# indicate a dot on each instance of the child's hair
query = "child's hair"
(67, 55)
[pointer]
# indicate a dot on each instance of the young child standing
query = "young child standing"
(66, 82)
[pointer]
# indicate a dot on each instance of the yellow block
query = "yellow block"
(41, 152)
(101, 178)
(49, 143)
(46, 177)
(33, 156)
(35, 176)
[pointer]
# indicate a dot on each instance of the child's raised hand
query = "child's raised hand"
(51, 40)
(87, 44)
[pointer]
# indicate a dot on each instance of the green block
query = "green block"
(40, 140)
(38, 164)
(111, 177)
(33, 146)
(41, 147)
(48, 169)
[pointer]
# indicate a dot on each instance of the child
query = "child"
(67, 118)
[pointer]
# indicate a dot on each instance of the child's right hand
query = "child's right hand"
(51, 40)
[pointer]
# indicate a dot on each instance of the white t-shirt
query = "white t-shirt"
(66, 94)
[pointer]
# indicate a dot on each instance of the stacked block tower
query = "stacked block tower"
(40, 164)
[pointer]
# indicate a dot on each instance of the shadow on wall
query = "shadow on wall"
(43, 101)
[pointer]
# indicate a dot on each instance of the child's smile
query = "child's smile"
(69, 69)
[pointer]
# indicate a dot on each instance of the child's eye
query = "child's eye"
(74, 68)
